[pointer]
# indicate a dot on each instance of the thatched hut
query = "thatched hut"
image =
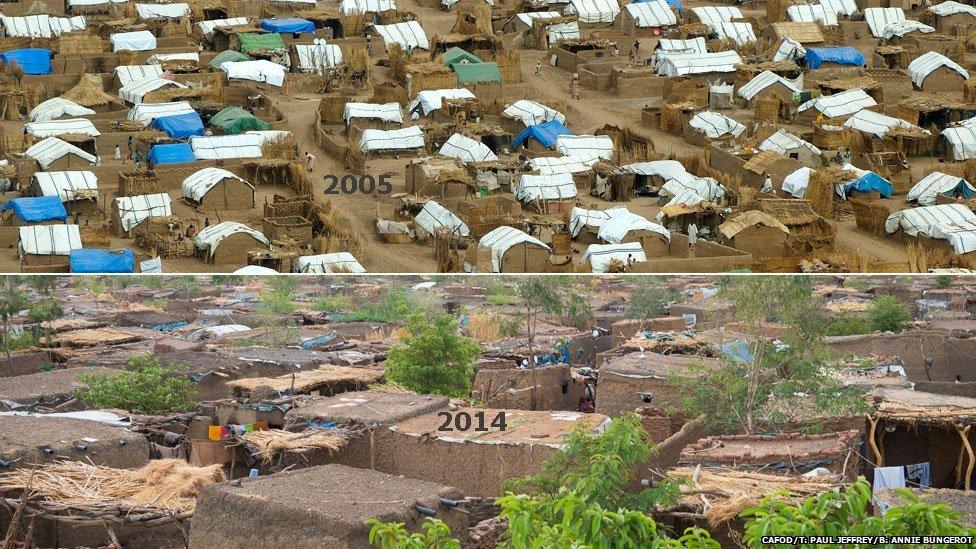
(88, 92)
(808, 230)
(757, 233)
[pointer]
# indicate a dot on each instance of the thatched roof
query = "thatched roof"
(761, 161)
(920, 407)
(88, 92)
(804, 33)
(306, 381)
(788, 211)
(744, 220)
(928, 103)
(863, 82)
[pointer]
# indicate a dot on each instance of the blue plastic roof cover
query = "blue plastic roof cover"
(32, 60)
(179, 126)
(842, 55)
(37, 209)
(289, 24)
(870, 182)
(545, 133)
(170, 153)
(90, 260)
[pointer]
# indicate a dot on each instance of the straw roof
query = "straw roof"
(845, 83)
(309, 380)
(804, 33)
(270, 442)
(88, 92)
(788, 211)
(98, 337)
(744, 220)
(920, 407)
(927, 103)
(761, 162)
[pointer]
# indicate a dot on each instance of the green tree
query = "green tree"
(579, 313)
(649, 300)
(46, 309)
(943, 281)
(433, 359)
(540, 295)
(12, 301)
(186, 284)
(393, 535)
(887, 314)
(144, 387)
(279, 298)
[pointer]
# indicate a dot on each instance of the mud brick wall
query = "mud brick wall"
(952, 356)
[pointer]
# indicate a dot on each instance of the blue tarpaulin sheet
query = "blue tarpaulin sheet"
(170, 153)
(321, 340)
(842, 55)
(870, 182)
(32, 60)
(90, 260)
(545, 133)
(737, 351)
(37, 209)
(289, 24)
(169, 327)
(179, 126)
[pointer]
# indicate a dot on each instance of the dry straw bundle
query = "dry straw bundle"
(272, 442)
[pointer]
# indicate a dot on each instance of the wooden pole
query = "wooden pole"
(972, 458)
(878, 457)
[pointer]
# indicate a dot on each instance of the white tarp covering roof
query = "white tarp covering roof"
(920, 220)
(135, 91)
(466, 149)
(531, 112)
(580, 218)
(386, 140)
(133, 210)
(93, 2)
(811, 13)
(840, 104)
(906, 27)
(526, 18)
(550, 165)
(207, 27)
(128, 74)
(715, 124)
(147, 112)
(67, 186)
(951, 7)
(681, 64)
(691, 45)
(843, 7)
(224, 147)
(56, 108)
(200, 182)
(269, 136)
(961, 235)
(434, 216)
(797, 182)
(49, 239)
(686, 197)
(431, 100)
(962, 139)
(665, 169)
(40, 26)
(337, 262)
(218, 331)
(53, 128)
(162, 11)
(585, 148)
(707, 188)
(562, 31)
(366, 6)
(133, 41)
(932, 185)
(158, 58)
(714, 16)
(789, 49)
(739, 33)
(876, 123)
(387, 112)
(318, 56)
(408, 34)
(783, 141)
(260, 70)
(545, 187)
(615, 229)
(879, 18)
(209, 238)
(652, 14)
(50, 149)
(925, 64)
(762, 81)
(600, 255)
(254, 270)
(593, 11)
(503, 238)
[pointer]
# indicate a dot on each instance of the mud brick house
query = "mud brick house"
(637, 379)
(541, 388)
(25, 440)
(622, 330)
(45, 389)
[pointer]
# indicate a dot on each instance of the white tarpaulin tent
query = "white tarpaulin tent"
(579, 218)
(318, 56)
(762, 81)
(684, 197)
(665, 169)
(388, 140)
(503, 238)
(562, 31)
(337, 262)
(40, 26)
(681, 64)
(387, 112)
(951, 7)
(961, 235)
(789, 49)
(906, 27)
(705, 187)
(199, 183)
(812, 13)
(133, 210)
(54, 128)
(431, 100)
(656, 13)
(530, 112)
(135, 91)
(545, 187)
(349, 7)
(207, 27)
(217, 331)
(159, 58)
(879, 18)
(209, 238)
(796, 183)
(840, 104)
(434, 216)
(50, 149)
(920, 220)
(261, 70)
(691, 45)
(225, 147)
(67, 186)
(409, 34)
(739, 33)
(269, 136)
(147, 112)
(49, 239)
(962, 139)
(876, 123)
(56, 108)
(615, 229)
(549, 165)
(715, 124)
(600, 255)
(593, 11)
(843, 7)
(932, 185)
(527, 18)
(714, 16)
(466, 149)
(783, 141)
(162, 11)
(925, 64)
(128, 74)
(133, 41)
(585, 148)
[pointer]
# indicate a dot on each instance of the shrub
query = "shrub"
(887, 314)
(433, 358)
(144, 387)
(847, 324)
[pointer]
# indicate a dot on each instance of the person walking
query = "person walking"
(118, 152)
(768, 185)
(692, 235)
(538, 68)
(369, 45)
(574, 86)
(129, 145)
(310, 160)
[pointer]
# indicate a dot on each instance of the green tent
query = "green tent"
(457, 55)
(227, 55)
(251, 42)
(475, 73)
(234, 120)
